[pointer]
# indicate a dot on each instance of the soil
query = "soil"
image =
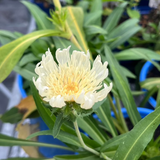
(152, 17)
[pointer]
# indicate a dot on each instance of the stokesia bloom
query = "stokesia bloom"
(72, 79)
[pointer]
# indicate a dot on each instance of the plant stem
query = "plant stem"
(121, 115)
(72, 37)
(113, 107)
(84, 145)
(57, 4)
(81, 140)
(118, 126)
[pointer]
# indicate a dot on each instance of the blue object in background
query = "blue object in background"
(143, 76)
(41, 5)
(143, 112)
(46, 152)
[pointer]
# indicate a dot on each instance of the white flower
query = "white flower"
(72, 79)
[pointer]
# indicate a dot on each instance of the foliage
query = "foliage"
(82, 27)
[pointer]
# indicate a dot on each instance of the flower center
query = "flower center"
(70, 88)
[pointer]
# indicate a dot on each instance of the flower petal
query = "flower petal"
(89, 101)
(80, 59)
(104, 92)
(63, 56)
(57, 102)
(80, 99)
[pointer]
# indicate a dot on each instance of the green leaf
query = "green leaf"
(121, 29)
(123, 32)
(113, 143)
(89, 125)
(124, 37)
(92, 29)
(39, 15)
(122, 86)
(10, 141)
(8, 34)
(40, 46)
(149, 83)
(26, 72)
(114, 17)
(27, 59)
(158, 98)
(57, 125)
(87, 156)
(139, 53)
(96, 6)
(63, 136)
(12, 116)
(75, 21)
(148, 95)
(104, 115)
(138, 138)
(12, 52)
(127, 72)
(92, 18)
(133, 13)
(64, 43)
(46, 116)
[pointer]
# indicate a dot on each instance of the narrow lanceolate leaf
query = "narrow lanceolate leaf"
(57, 125)
(64, 43)
(75, 21)
(25, 72)
(93, 29)
(122, 87)
(91, 18)
(11, 53)
(138, 138)
(12, 116)
(63, 136)
(113, 143)
(127, 72)
(114, 18)
(87, 156)
(123, 32)
(104, 115)
(139, 53)
(148, 95)
(149, 83)
(89, 125)
(27, 59)
(50, 120)
(10, 141)
(40, 18)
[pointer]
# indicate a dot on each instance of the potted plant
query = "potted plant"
(63, 115)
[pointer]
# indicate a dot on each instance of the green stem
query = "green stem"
(121, 115)
(81, 140)
(113, 107)
(57, 4)
(84, 145)
(118, 126)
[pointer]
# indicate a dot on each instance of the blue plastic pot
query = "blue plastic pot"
(143, 76)
(46, 152)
